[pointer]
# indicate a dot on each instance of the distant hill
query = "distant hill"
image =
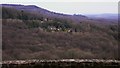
(105, 16)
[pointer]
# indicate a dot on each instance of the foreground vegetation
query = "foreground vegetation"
(65, 63)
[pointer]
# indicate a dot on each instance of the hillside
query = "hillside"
(49, 35)
(44, 13)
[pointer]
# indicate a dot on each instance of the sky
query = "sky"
(72, 6)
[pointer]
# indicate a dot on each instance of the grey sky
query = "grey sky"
(80, 7)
